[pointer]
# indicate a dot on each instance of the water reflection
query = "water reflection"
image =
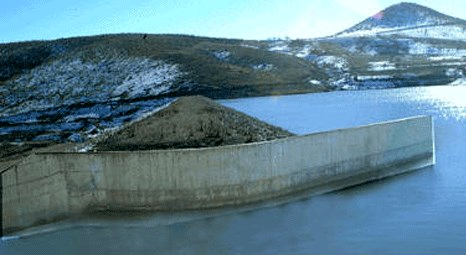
(450, 101)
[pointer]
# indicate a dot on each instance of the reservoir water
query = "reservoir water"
(423, 212)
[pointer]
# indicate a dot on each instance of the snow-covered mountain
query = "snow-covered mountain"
(411, 20)
(404, 45)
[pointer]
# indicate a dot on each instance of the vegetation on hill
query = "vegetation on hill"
(191, 122)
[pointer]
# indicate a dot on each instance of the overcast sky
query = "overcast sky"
(22, 20)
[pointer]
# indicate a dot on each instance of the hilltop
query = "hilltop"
(411, 20)
(402, 16)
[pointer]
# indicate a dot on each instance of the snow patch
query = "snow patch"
(305, 51)
(459, 82)
(366, 32)
(138, 116)
(427, 29)
(454, 72)
(263, 67)
(417, 48)
(381, 66)
(281, 47)
(149, 81)
(86, 148)
(72, 118)
(333, 61)
(315, 82)
(374, 77)
(349, 87)
(250, 46)
(448, 32)
(341, 82)
(222, 55)
(447, 58)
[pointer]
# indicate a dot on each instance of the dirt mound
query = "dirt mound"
(191, 122)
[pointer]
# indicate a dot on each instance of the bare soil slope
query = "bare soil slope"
(191, 122)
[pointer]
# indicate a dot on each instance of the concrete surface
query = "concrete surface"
(50, 186)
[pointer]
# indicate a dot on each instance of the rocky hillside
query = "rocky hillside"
(191, 122)
(73, 89)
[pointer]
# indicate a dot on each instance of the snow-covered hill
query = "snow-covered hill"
(404, 45)
(76, 88)
(411, 20)
(75, 81)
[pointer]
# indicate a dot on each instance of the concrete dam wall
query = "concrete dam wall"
(46, 187)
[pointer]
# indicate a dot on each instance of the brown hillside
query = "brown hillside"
(191, 122)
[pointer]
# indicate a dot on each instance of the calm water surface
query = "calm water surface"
(418, 213)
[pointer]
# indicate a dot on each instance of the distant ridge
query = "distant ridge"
(403, 15)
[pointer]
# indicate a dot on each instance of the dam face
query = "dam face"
(46, 187)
